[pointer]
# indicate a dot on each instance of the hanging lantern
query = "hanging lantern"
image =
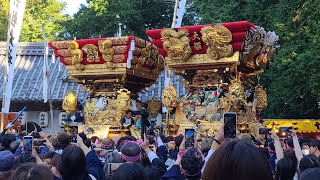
(69, 103)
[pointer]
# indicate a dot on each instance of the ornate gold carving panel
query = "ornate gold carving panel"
(218, 39)
(169, 97)
(176, 44)
(92, 52)
(107, 50)
(60, 44)
(101, 111)
(76, 53)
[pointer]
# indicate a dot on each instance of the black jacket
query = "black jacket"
(156, 170)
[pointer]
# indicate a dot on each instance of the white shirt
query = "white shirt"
(127, 121)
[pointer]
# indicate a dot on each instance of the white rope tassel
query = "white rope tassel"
(130, 53)
(53, 58)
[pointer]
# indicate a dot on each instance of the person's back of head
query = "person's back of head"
(121, 141)
(315, 147)
(14, 146)
(178, 140)
(130, 171)
(246, 138)
(32, 171)
(308, 161)
(192, 163)
(107, 144)
(285, 169)
(6, 140)
(56, 160)
(94, 139)
(73, 165)
(237, 160)
(6, 164)
(63, 140)
(131, 152)
(310, 174)
(206, 145)
(289, 144)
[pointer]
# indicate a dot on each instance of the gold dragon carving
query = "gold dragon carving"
(218, 39)
(92, 52)
(76, 55)
(176, 44)
(107, 51)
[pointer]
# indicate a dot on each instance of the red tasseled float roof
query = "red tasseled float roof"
(238, 30)
(120, 44)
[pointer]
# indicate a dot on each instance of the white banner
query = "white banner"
(45, 68)
(45, 72)
(180, 12)
(17, 8)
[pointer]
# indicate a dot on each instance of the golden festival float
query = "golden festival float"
(113, 70)
(220, 65)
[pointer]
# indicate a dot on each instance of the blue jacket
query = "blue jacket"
(173, 173)
(95, 167)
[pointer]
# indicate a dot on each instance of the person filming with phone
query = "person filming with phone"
(189, 161)
(247, 162)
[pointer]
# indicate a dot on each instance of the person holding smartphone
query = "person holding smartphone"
(246, 160)
(189, 160)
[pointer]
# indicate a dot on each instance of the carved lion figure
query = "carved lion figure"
(76, 53)
(176, 44)
(107, 50)
(218, 40)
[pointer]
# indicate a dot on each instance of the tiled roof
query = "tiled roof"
(27, 83)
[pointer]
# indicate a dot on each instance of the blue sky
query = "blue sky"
(73, 5)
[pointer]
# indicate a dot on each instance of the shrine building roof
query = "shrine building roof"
(27, 82)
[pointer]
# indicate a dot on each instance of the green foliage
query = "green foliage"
(37, 11)
(4, 15)
(100, 6)
(137, 16)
